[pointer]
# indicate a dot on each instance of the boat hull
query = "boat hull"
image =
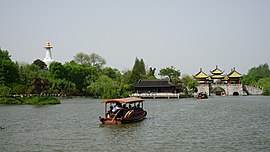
(133, 117)
(202, 96)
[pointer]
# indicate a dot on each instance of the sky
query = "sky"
(186, 34)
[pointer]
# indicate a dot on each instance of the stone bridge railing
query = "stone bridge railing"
(253, 90)
(230, 89)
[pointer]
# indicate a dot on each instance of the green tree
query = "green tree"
(138, 71)
(19, 89)
(255, 74)
(104, 88)
(189, 85)
(28, 73)
(111, 73)
(142, 67)
(4, 90)
(151, 72)
(81, 75)
(41, 64)
(171, 73)
(4, 55)
(9, 72)
(92, 59)
(97, 60)
(62, 86)
(125, 78)
(57, 71)
(82, 58)
(265, 84)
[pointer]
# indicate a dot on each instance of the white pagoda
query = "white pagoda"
(48, 58)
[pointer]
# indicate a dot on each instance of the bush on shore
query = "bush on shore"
(30, 100)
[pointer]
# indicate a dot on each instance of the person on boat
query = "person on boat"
(125, 106)
(125, 110)
(116, 108)
(109, 112)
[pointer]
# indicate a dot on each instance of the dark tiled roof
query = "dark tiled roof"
(153, 83)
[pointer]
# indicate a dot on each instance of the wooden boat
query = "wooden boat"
(202, 95)
(121, 111)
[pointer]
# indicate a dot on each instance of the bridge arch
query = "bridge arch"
(229, 89)
(235, 93)
(218, 90)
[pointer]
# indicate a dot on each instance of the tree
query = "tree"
(171, 73)
(151, 71)
(125, 78)
(82, 58)
(28, 73)
(4, 55)
(93, 59)
(111, 73)
(9, 72)
(97, 60)
(265, 84)
(256, 73)
(81, 75)
(104, 88)
(138, 71)
(189, 84)
(142, 67)
(62, 86)
(41, 64)
(57, 71)
(4, 90)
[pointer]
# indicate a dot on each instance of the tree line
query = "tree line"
(260, 77)
(87, 75)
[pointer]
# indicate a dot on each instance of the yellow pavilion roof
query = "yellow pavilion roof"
(216, 71)
(234, 74)
(217, 76)
(201, 75)
(226, 78)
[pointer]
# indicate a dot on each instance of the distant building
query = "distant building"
(234, 77)
(48, 58)
(217, 76)
(154, 86)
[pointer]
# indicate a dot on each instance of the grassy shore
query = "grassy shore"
(30, 100)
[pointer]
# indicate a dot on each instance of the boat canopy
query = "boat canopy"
(123, 100)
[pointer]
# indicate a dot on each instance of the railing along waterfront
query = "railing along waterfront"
(157, 95)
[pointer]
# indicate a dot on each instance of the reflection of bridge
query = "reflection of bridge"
(231, 89)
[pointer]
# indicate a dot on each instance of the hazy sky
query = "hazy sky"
(186, 34)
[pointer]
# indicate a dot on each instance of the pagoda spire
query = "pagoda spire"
(48, 58)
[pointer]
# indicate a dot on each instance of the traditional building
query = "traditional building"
(201, 77)
(219, 83)
(154, 86)
(234, 77)
(217, 76)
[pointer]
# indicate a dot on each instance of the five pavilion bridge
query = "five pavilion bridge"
(219, 84)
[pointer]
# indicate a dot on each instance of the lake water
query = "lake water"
(214, 124)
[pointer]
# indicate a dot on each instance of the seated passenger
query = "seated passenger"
(109, 112)
(116, 108)
(125, 106)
